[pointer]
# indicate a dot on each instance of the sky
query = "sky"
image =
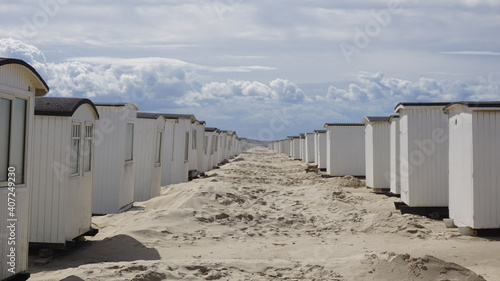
(267, 69)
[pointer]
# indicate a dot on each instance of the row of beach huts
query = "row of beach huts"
(440, 158)
(64, 159)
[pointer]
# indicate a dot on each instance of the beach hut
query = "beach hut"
(295, 147)
(20, 83)
(168, 151)
(345, 149)
(424, 154)
(201, 146)
(474, 157)
(395, 155)
(309, 148)
(302, 145)
(114, 173)
(210, 139)
(61, 197)
(320, 149)
(148, 151)
(195, 148)
(182, 146)
(377, 152)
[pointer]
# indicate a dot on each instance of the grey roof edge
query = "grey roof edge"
(211, 129)
(320, 131)
(6, 61)
(59, 106)
(344, 125)
(115, 104)
(376, 119)
(475, 104)
(148, 115)
(428, 104)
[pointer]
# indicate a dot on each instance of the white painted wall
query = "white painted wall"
(61, 203)
(424, 156)
(395, 155)
(474, 161)
(309, 148)
(377, 154)
(320, 147)
(148, 171)
(296, 148)
(180, 167)
(15, 80)
(345, 150)
(114, 178)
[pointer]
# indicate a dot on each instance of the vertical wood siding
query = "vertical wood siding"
(394, 161)
(346, 155)
(377, 153)
(424, 157)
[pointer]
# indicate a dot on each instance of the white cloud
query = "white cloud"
(279, 107)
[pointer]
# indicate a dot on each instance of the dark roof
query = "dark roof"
(421, 104)
(293, 137)
(377, 118)
(395, 116)
(61, 106)
(476, 104)
(320, 131)
(202, 122)
(210, 129)
(344, 124)
(178, 116)
(5, 61)
(148, 115)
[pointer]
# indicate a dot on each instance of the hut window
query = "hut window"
(5, 106)
(194, 140)
(159, 139)
(205, 144)
(129, 143)
(87, 148)
(75, 147)
(186, 147)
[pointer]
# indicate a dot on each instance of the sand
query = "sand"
(262, 217)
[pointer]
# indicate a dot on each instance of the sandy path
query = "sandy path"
(262, 217)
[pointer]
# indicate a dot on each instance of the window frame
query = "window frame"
(129, 146)
(91, 146)
(12, 94)
(79, 149)
(158, 147)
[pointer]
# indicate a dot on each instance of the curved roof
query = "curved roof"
(210, 129)
(320, 131)
(42, 87)
(61, 106)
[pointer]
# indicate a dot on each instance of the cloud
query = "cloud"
(253, 108)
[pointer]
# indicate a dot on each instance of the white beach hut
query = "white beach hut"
(424, 154)
(200, 146)
(287, 144)
(474, 157)
(114, 173)
(295, 147)
(195, 148)
(320, 148)
(182, 146)
(345, 149)
(210, 139)
(168, 151)
(19, 84)
(377, 152)
(148, 151)
(302, 138)
(309, 148)
(395, 155)
(61, 197)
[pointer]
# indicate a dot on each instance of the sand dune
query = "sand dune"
(262, 217)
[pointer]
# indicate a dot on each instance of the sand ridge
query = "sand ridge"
(262, 217)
